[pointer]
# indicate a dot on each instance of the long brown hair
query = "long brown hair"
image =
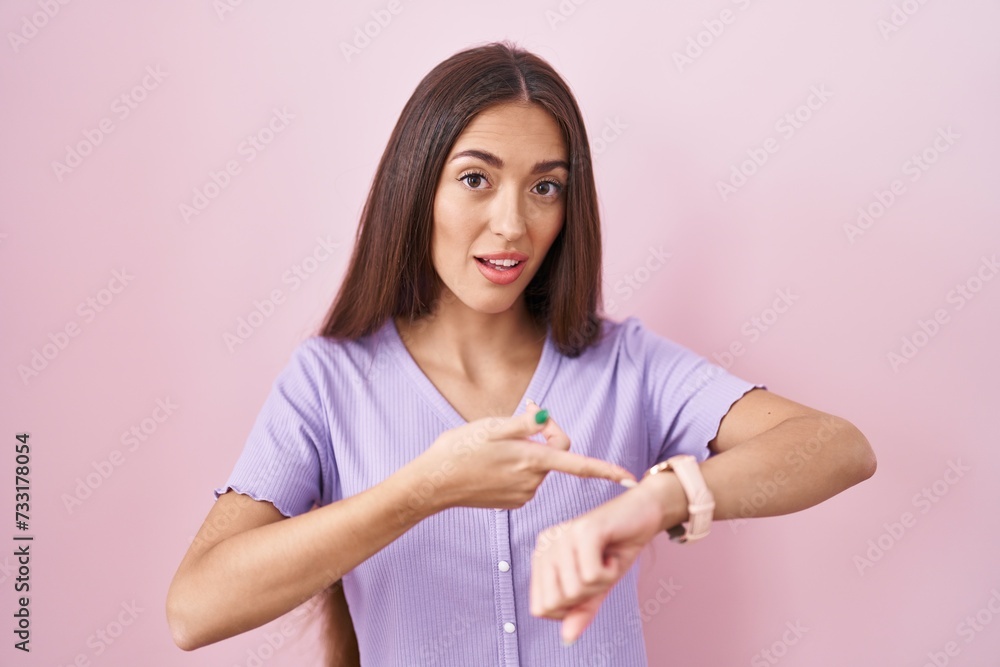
(391, 272)
(396, 222)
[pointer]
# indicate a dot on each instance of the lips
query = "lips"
(500, 275)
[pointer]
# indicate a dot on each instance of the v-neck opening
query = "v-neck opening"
(537, 387)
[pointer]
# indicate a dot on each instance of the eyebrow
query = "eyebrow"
(495, 161)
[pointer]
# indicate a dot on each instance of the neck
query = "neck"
(472, 343)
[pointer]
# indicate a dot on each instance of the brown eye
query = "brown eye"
(473, 179)
(548, 188)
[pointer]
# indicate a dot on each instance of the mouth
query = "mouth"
(501, 271)
(499, 264)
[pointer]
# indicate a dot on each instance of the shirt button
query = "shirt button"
(503, 565)
(508, 627)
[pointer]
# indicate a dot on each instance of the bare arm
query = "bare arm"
(773, 456)
(249, 564)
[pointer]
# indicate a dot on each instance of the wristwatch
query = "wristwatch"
(701, 504)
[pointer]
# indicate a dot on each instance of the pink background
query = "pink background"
(664, 136)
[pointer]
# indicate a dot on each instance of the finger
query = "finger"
(573, 589)
(544, 585)
(553, 596)
(580, 617)
(539, 564)
(581, 466)
(594, 573)
(581, 572)
(535, 587)
(554, 435)
(520, 426)
(545, 558)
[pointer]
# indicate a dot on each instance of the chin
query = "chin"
(486, 298)
(485, 304)
(495, 307)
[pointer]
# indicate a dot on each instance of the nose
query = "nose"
(508, 216)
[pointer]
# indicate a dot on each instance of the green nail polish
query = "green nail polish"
(541, 417)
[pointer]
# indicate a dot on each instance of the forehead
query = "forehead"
(513, 130)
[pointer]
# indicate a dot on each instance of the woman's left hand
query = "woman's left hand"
(575, 563)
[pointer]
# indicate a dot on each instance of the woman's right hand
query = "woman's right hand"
(490, 462)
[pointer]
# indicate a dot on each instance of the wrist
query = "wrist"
(421, 497)
(670, 498)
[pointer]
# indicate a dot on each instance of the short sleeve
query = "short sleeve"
(288, 456)
(686, 395)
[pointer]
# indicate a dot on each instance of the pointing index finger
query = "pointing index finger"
(584, 466)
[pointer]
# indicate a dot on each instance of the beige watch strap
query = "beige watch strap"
(701, 503)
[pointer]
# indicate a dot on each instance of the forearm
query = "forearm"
(797, 464)
(256, 576)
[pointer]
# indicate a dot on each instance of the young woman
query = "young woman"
(439, 536)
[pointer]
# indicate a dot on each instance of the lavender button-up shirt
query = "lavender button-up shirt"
(453, 590)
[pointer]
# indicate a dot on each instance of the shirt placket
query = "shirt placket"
(503, 577)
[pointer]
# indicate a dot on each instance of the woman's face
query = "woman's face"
(502, 190)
